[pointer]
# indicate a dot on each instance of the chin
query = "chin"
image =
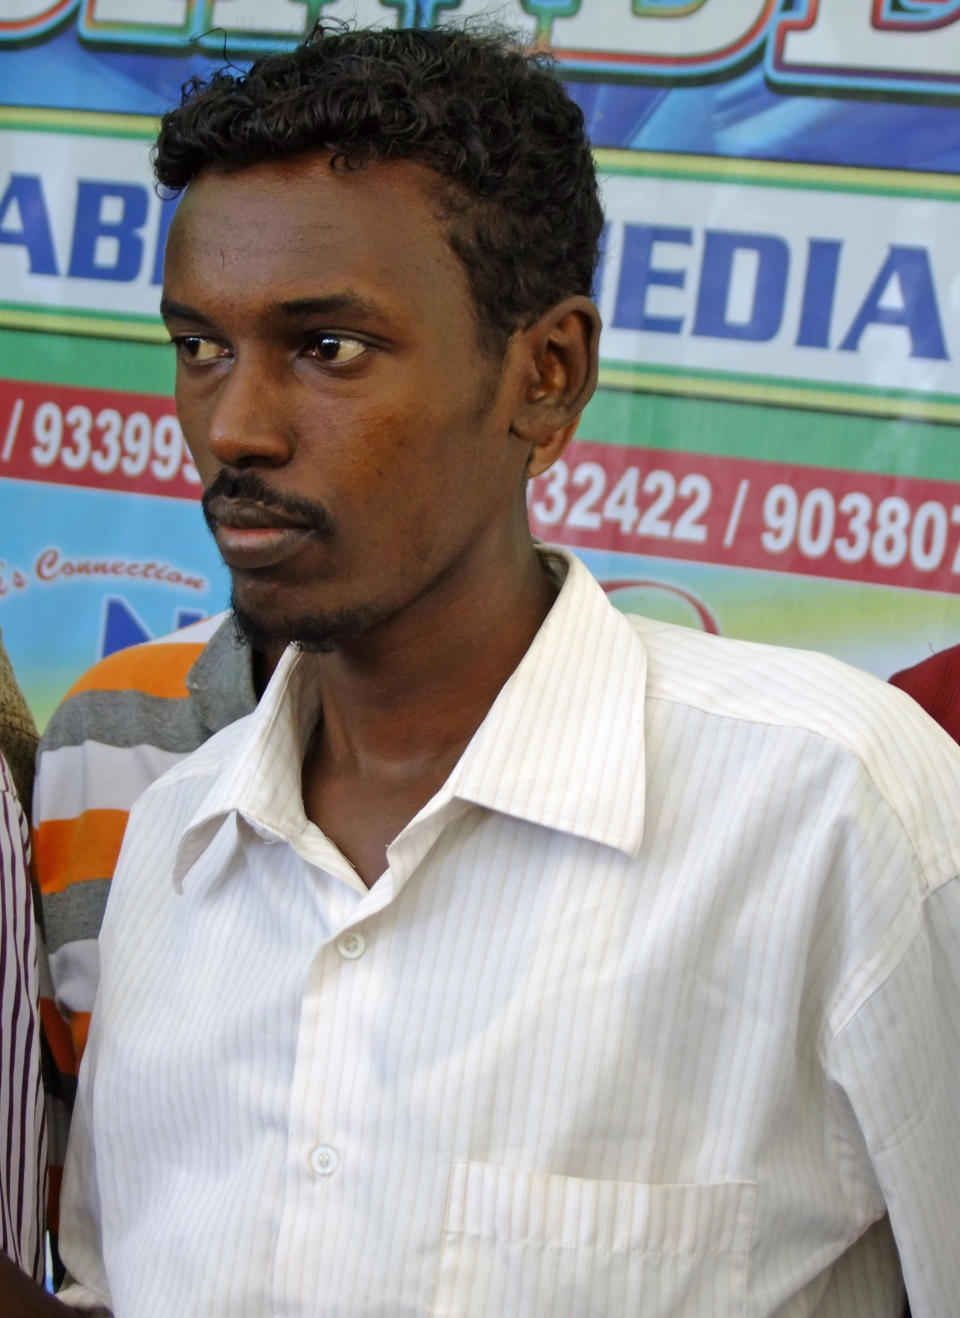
(315, 633)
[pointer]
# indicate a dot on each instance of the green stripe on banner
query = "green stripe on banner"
(854, 443)
(71, 359)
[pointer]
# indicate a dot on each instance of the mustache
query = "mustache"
(248, 486)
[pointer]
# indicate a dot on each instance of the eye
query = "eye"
(197, 350)
(336, 348)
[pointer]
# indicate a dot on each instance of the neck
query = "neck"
(414, 690)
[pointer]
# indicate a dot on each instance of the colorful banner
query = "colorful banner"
(772, 452)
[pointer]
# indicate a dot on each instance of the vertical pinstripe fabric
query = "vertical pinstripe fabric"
(654, 1009)
(22, 1137)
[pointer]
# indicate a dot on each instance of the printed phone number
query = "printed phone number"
(890, 532)
(109, 442)
(887, 533)
(553, 503)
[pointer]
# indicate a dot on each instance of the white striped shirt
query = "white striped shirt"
(22, 1136)
(654, 1009)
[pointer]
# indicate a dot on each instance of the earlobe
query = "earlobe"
(561, 375)
(544, 454)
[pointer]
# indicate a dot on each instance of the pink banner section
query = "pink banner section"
(816, 521)
(98, 438)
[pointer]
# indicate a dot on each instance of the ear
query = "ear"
(559, 363)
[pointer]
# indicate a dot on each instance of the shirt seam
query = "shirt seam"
(855, 754)
(870, 994)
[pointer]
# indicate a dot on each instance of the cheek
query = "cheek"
(369, 448)
(395, 485)
(206, 464)
(193, 423)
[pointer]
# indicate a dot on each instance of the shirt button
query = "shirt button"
(351, 945)
(324, 1160)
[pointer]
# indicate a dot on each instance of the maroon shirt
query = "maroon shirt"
(935, 685)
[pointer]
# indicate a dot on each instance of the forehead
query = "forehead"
(298, 228)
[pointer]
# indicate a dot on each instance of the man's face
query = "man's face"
(352, 435)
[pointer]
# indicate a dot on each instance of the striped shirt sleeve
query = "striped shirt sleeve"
(120, 726)
(22, 1134)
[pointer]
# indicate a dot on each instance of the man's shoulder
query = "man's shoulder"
(182, 788)
(8, 793)
(761, 682)
(833, 708)
(157, 668)
(169, 693)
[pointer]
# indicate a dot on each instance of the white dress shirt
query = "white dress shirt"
(654, 1009)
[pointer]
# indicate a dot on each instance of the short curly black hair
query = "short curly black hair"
(516, 182)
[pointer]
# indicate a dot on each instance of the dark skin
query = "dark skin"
(393, 731)
(21, 1297)
(337, 356)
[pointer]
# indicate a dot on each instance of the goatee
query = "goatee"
(315, 635)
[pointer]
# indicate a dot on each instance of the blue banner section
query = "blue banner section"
(60, 72)
(744, 117)
(741, 112)
(85, 572)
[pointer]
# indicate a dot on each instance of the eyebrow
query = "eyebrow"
(171, 310)
(334, 304)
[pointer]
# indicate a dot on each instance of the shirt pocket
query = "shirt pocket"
(533, 1245)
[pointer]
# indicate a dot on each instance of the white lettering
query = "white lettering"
(713, 33)
(842, 38)
(172, 14)
(31, 14)
(284, 17)
(290, 17)
(832, 289)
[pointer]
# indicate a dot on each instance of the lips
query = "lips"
(251, 535)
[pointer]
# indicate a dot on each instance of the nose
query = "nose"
(249, 423)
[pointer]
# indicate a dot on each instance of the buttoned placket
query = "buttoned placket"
(341, 978)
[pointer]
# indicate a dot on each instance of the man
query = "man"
(121, 725)
(22, 1159)
(18, 732)
(124, 723)
(514, 957)
(22, 1136)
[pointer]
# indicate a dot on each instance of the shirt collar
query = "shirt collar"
(562, 745)
(259, 777)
